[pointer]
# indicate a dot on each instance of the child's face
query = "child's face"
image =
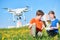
(39, 17)
(51, 15)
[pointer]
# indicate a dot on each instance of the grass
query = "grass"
(23, 34)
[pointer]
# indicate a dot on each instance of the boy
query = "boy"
(36, 25)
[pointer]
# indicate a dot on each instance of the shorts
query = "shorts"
(52, 33)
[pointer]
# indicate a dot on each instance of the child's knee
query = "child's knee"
(39, 33)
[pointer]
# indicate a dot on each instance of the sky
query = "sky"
(34, 5)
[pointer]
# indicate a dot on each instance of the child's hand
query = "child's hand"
(42, 28)
(51, 28)
(30, 27)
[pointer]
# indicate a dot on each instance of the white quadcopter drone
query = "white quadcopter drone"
(17, 12)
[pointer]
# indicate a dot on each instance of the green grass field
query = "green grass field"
(23, 34)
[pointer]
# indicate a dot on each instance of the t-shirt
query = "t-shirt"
(38, 23)
(54, 24)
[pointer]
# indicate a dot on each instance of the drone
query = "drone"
(17, 12)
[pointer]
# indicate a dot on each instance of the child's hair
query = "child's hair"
(44, 23)
(52, 12)
(39, 12)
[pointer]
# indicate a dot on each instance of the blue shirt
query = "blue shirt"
(54, 24)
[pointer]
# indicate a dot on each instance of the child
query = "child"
(37, 23)
(54, 24)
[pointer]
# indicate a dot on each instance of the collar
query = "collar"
(52, 19)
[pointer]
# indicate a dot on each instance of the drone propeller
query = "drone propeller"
(27, 6)
(5, 8)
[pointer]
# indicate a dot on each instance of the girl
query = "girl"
(54, 24)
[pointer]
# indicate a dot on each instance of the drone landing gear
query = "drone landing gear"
(19, 22)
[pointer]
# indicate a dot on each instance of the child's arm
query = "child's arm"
(32, 25)
(43, 26)
(55, 27)
(31, 22)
